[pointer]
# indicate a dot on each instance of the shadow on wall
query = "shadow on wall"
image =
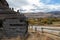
(1, 22)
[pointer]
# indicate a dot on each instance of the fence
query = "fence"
(55, 32)
(49, 31)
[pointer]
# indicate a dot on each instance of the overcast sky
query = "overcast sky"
(35, 5)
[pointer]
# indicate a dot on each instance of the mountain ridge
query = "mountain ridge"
(43, 14)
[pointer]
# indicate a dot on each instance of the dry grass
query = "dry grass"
(37, 35)
(34, 36)
(17, 38)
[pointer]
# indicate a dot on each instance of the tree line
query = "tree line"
(42, 21)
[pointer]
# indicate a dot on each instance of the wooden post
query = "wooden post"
(35, 29)
(42, 30)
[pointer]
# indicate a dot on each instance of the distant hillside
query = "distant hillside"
(37, 15)
(55, 12)
(43, 14)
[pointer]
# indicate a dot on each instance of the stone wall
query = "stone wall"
(14, 27)
(3, 4)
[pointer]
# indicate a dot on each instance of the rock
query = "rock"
(3, 4)
(13, 23)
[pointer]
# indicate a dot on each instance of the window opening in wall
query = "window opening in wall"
(16, 24)
(1, 22)
(21, 20)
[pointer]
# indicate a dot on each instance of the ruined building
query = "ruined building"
(12, 23)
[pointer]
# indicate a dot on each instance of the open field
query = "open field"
(37, 35)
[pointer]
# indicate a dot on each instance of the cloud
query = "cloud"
(17, 3)
(34, 5)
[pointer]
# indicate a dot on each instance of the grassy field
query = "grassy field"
(56, 23)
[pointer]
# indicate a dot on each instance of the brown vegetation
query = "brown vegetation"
(17, 38)
(44, 21)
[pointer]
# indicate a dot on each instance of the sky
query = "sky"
(35, 5)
